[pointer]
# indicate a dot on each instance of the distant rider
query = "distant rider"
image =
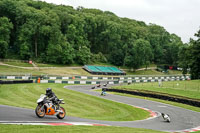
(51, 96)
(104, 90)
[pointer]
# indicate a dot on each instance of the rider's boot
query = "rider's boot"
(57, 109)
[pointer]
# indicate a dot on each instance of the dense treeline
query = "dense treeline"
(60, 34)
(189, 57)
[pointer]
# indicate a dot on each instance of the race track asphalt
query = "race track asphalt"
(181, 119)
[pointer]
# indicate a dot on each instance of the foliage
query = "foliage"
(195, 58)
(184, 58)
(83, 55)
(5, 30)
(63, 35)
(190, 57)
(98, 58)
(139, 54)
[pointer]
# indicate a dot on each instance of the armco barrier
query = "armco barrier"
(16, 81)
(173, 98)
(70, 82)
(166, 77)
(104, 81)
(96, 80)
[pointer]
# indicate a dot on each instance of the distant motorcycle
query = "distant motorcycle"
(103, 92)
(166, 117)
(93, 87)
(46, 107)
(99, 85)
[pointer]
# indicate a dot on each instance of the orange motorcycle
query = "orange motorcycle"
(46, 107)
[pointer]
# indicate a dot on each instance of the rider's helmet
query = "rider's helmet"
(48, 91)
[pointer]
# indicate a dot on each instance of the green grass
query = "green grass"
(64, 71)
(71, 129)
(77, 104)
(61, 71)
(21, 64)
(57, 65)
(190, 89)
(173, 72)
(151, 72)
(49, 65)
(143, 72)
(6, 70)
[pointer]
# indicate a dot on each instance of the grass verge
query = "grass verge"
(57, 65)
(71, 129)
(59, 69)
(189, 89)
(77, 104)
(151, 72)
(7, 70)
(64, 71)
(21, 64)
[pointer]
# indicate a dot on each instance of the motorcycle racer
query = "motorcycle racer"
(46, 106)
(52, 97)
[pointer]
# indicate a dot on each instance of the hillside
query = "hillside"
(60, 34)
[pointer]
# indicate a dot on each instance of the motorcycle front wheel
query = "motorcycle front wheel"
(40, 112)
(61, 115)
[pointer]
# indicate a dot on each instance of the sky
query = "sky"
(181, 17)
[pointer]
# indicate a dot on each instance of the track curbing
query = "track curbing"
(53, 123)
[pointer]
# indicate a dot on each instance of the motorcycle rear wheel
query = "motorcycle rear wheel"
(40, 113)
(61, 115)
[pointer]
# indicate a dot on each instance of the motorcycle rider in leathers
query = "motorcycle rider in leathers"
(52, 97)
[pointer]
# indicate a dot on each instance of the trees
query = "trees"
(143, 52)
(61, 34)
(194, 57)
(130, 59)
(189, 57)
(183, 58)
(83, 55)
(139, 54)
(173, 49)
(5, 30)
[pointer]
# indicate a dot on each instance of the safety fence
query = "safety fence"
(108, 82)
(96, 80)
(136, 78)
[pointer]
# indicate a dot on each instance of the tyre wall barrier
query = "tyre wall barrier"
(69, 82)
(16, 81)
(104, 81)
(173, 98)
(174, 77)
